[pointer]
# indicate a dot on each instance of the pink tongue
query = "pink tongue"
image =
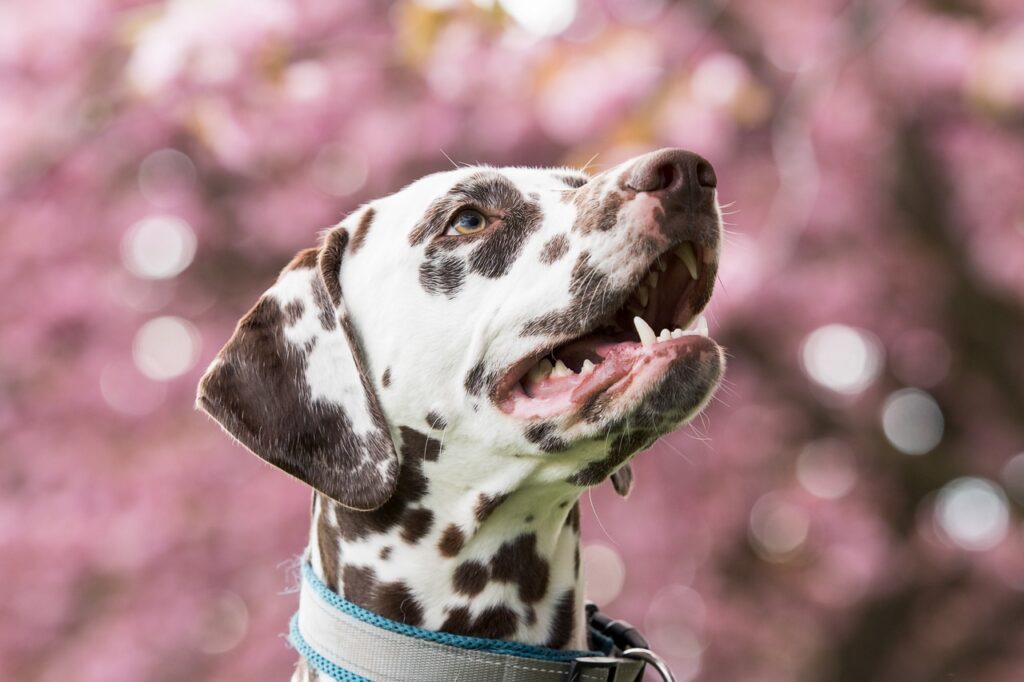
(545, 389)
(607, 355)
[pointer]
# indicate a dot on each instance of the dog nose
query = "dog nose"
(672, 170)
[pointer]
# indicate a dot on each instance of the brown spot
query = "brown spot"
(574, 181)
(436, 421)
(385, 378)
(470, 578)
(564, 619)
(365, 220)
(458, 622)
(330, 262)
(596, 213)
(444, 275)
(391, 600)
(486, 504)
(327, 314)
(555, 248)
(293, 312)
(416, 524)
(451, 541)
(307, 258)
(395, 601)
(385, 553)
(543, 435)
(496, 622)
(359, 583)
(475, 379)
(517, 562)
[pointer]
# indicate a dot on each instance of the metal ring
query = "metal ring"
(651, 658)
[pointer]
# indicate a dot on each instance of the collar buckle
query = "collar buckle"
(582, 666)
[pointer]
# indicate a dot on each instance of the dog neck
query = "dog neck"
(463, 546)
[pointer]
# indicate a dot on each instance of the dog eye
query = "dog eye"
(467, 222)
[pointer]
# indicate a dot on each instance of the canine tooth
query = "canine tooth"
(662, 265)
(647, 336)
(676, 333)
(665, 335)
(652, 279)
(587, 368)
(685, 253)
(560, 370)
(702, 326)
(641, 294)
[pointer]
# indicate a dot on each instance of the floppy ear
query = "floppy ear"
(622, 480)
(291, 387)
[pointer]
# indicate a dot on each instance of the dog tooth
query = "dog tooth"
(587, 368)
(560, 370)
(702, 325)
(665, 335)
(662, 265)
(652, 279)
(647, 336)
(541, 370)
(676, 333)
(685, 253)
(641, 293)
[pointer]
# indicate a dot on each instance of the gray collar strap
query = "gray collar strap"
(350, 644)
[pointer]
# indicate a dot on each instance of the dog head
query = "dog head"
(516, 310)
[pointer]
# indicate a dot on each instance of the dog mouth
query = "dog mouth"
(645, 329)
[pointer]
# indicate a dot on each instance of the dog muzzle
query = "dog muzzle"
(350, 644)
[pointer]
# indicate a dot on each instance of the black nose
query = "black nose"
(671, 170)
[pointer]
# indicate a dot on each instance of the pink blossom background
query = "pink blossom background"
(849, 509)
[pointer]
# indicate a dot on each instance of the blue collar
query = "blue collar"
(350, 644)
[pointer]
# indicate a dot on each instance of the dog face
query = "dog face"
(515, 309)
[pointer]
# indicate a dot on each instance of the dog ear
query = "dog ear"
(290, 385)
(622, 480)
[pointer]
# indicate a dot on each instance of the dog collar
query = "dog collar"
(350, 644)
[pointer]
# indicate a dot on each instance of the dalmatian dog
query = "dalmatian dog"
(457, 362)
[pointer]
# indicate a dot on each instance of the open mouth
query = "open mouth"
(625, 344)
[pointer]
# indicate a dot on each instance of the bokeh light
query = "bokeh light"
(165, 177)
(841, 358)
(605, 573)
(826, 469)
(912, 421)
(340, 171)
(973, 513)
(158, 247)
(225, 624)
(547, 18)
(166, 347)
(778, 528)
(674, 625)
(1013, 477)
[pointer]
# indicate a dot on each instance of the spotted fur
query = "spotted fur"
(373, 371)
